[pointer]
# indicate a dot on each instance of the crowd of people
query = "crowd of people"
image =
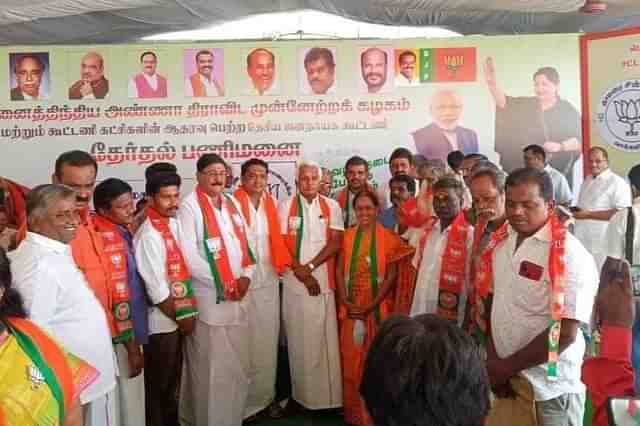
(453, 294)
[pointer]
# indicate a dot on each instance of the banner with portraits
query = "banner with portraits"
(135, 104)
(611, 95)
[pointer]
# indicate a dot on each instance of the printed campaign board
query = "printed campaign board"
(131, 105)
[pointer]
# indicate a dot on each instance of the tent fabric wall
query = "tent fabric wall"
(100, 21)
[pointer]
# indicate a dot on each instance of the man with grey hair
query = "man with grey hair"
(57, 296)
(312, 226)
(445, 134)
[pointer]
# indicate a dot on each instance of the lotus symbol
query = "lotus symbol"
(628, 112)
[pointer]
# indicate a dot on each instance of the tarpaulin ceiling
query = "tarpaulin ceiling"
(88, 21)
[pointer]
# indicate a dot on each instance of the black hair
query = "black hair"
(370, 195)
(11, 302)
(534, 176)
(424, 371)
(75, 158)
(159, 167)
(317, 53)
(475, 156)
(148, 52)
(634, 176)
(549, 72)
(405, 179)
(371, 49)
(356, 161)
(406, 53)
(401, 153)
(455, 159)
(449, 182)
(244, 168)
(203, 52)
(107, 191)
(161, 180)
(536, 150)
(208, 159)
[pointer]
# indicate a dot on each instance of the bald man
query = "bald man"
(444, 134)
(261, 69)
(92, 83)
(373, 65)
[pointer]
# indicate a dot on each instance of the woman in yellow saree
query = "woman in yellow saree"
(366, 273)
(40, 382)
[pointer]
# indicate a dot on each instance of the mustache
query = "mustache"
(373, 74)
(82, 199)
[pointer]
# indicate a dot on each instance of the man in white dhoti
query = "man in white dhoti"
(272, 258)
(213, 237)
(312, 225)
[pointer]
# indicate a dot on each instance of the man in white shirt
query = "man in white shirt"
(407, 63)
(148, 84)
(536, 157)
(29, 70)
(272, 258)
(439, 241)
(312, 226)
(168, 286)
(57, 296)
(602, 194)
(521, 309)
(213, 238)
(401, 162)
(203, 83)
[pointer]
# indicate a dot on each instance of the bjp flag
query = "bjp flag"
(455, 64)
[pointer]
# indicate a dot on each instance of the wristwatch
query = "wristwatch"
(311, 266)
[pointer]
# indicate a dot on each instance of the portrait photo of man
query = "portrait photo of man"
(203, 70)
(92, 84)
(445, 134)
(319, 70)
(375, 68)
(406, 68)
(147, 84)
(29, 75)
(261, 70)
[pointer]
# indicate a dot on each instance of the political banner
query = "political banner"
(326, 100)
(611, 95)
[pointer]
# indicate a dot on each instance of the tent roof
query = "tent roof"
(100, 21)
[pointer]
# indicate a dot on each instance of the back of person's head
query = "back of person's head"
(454, 160)
(634, 177)
(424, 371)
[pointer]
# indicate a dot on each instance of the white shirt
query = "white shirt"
(520, 309)
(350, 219)
(191, 237)
(58, 299)
(272, 90)
(561, 191)
(314, 233)
(259, 238)
(603, 192)
(402, 81)
(427, 291)
(209, 86)
(616, 234)
(151, 258)
(132, 88)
